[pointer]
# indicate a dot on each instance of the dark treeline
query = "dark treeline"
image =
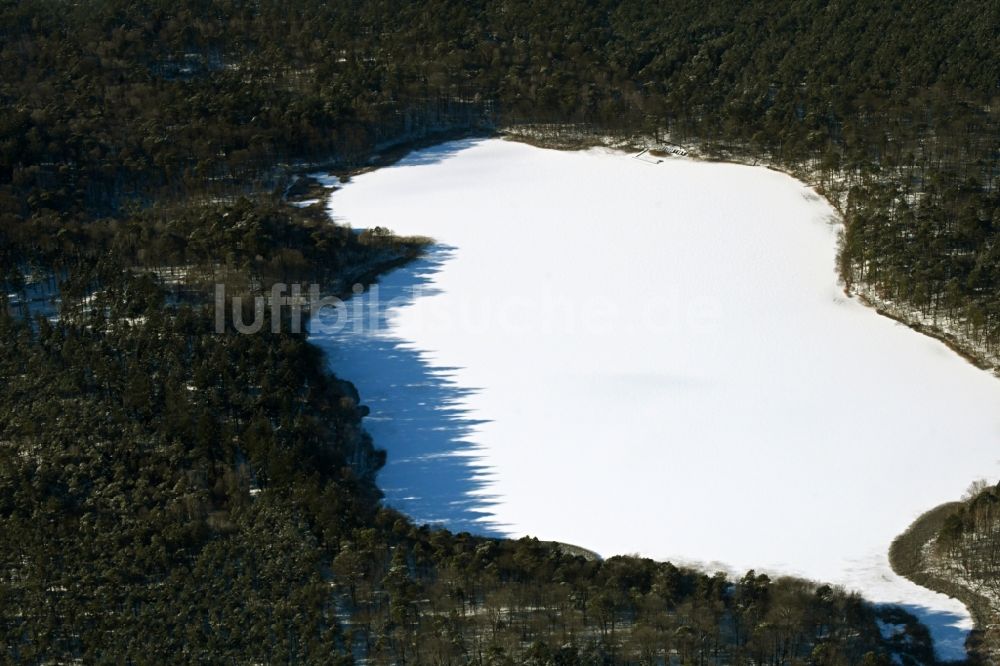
(168, 494)
(968, 543)
(891, 107)
(955, 549)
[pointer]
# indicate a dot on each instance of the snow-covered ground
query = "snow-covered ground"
(655, 359)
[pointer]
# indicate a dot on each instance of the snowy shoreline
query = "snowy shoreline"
(957, 340)
(911, 557)
(425, 183)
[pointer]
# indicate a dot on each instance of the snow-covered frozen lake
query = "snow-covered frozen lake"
(654, 359)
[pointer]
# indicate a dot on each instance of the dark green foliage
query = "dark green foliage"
(968, 543)
(892, 108)
(130, 450)
(171, 495)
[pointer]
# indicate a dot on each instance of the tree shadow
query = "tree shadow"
(949, 638)
(432, 473)
(439, 152)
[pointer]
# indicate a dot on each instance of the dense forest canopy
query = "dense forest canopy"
(892, 107)
(170, 494)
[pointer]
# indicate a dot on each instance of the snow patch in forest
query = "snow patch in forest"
(329, 181)
(653, 359)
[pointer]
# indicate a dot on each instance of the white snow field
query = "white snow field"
(654, 359)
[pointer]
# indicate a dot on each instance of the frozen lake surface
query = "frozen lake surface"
(654, 359)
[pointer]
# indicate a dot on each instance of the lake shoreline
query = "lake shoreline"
(908, 557)
(953, 341)
(584, 145)
(982, 644)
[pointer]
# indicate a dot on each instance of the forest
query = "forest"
(169, 494)
(955, 549)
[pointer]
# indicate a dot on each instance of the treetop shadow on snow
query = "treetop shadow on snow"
(440, 152)
(945, 627)
(431, 473)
